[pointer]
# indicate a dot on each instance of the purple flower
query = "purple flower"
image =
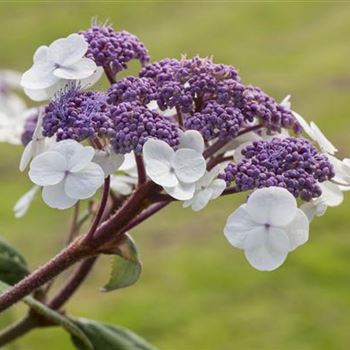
(113, 50)
(134, 124)
(216, 120)
(77, 115)
(29, 127)
(291, 163)
(132, 89)
(186, 83)
(254, 103)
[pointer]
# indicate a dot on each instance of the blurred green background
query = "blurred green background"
(196, 291)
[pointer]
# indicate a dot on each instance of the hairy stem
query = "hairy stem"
(100, 211)
(141, 172)
(73, 284)
(66, 258)
(109, 75)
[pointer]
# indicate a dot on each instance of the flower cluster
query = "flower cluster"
(134, 124)
(213, 99)
(77, 115)
(189, 127)
(291, 163)
(113, 50)
(132, 89)
(216, 120)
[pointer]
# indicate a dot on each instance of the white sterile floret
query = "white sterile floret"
(109, 161)
(37, 145)
(208, 187)
(267, 227)
(314, 132)
(176, 171)
(123, 184)
(22, 205)
(56, 64)
(67, 174)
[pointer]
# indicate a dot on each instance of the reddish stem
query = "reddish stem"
(141, 172)
(100, 211)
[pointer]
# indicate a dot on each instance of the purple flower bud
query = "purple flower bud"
(280, 168)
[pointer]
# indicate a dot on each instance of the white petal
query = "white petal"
(123, 184)
(55, 197)
(313, 208)
(321, 139)
(189, 165)
(332, 196)
(305, 125)
(92, 79)
(68, 148)
(22, 205)
(84, 68)
(272, 251)
(37, 94)
(217, 187)
(39, 76)
(40, 55)
(47, 168)
(80, 159)
(286, 103)
(85, 183)
(109, 162)
(158, 156)
(181, 191)
(273, 205)
(298, 230)
(192, 139)
(26, 156)
(201, 199)
(69, 50)
(238, 225)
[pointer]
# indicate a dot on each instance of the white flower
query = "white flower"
(207, 188)
(67, 174)
(177, 172)
(37, 145)
(313, 131)
(12, 108)
(22, 205)
(267, 227)
(109, 161)
(56, 64)
(129, 165)
(123, 184)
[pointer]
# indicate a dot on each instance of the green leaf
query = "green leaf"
(108, 337)
(55, 317)
(13, 267)
(126, 266)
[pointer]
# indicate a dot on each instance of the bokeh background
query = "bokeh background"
(196, 291)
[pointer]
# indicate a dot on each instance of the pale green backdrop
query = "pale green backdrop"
(196, 292)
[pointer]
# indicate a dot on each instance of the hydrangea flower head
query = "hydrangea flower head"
(134, 124)
(291, 163)
(77, 115)
(113, 50)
